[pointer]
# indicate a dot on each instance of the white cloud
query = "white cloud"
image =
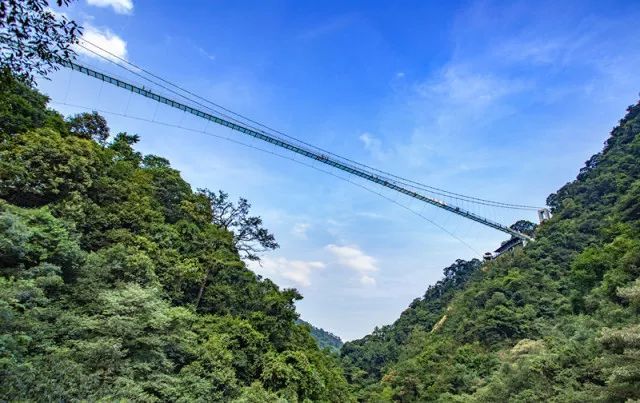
(328, 27)
(119, 6)
(373, 145)
(369, 141)
(300, 230)
(461, 86)
(203, 52)
(367, 280)
(534, 51)
(459, 96)
(371, 215)
(102, 42)
(355, 259)
(297, 271)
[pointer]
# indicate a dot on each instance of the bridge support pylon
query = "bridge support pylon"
(544, 214)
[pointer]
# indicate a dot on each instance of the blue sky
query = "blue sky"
(502, 100)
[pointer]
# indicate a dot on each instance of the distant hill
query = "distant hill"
(323, 338)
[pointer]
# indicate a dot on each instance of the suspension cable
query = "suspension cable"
(405, 181)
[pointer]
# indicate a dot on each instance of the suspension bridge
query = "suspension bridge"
(188, 102)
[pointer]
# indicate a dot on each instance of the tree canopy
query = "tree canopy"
(249, 236)
(117, 284)
(34, 39)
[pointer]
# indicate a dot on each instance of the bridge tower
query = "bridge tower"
(544, 214)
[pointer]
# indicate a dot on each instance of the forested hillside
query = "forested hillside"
(323, 338)
(556, 321)
(118, 281)
(367, 357)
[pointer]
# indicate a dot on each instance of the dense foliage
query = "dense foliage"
(34, 39)
(116, 283)
(365, 359)
(323, 338)
(555, 321)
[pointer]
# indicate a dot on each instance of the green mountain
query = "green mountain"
(323, 338)
(555, 321)
(117, 284)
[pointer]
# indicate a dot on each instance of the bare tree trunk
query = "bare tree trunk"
(202, 287)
